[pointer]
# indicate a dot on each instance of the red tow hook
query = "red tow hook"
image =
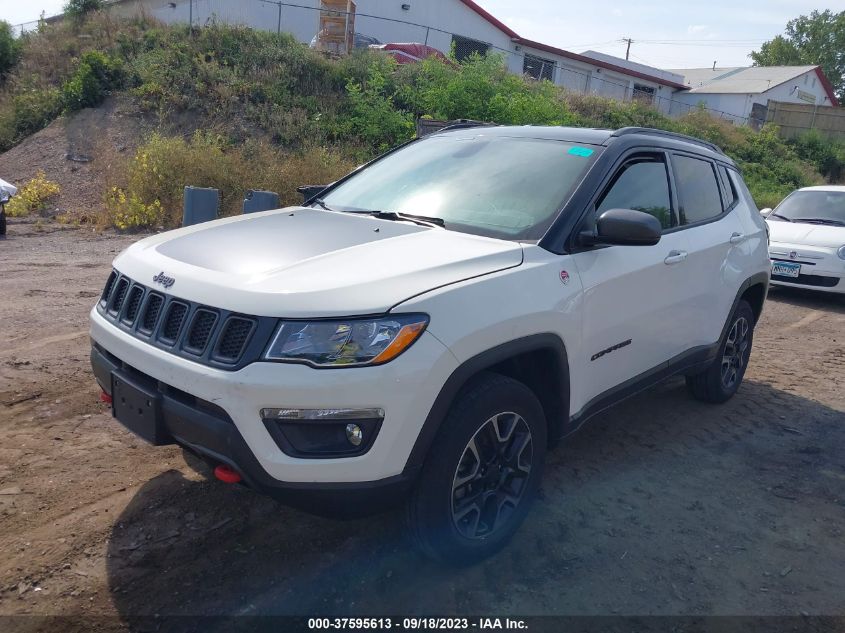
(227, 474)
(104, 397)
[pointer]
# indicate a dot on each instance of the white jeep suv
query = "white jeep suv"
(425, 328)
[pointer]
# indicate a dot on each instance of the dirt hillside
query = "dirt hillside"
(78, 152)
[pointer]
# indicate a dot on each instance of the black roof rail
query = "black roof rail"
(465, 123)
(625, 131)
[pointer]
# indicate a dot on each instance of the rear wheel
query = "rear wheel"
(722, 379)
(482, 474)
(2, 220)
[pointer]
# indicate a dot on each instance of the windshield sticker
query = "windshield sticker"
(583, 152)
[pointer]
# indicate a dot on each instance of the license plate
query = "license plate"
(138, 408)
(786, 269)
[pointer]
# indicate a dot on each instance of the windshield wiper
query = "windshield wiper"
(322, 203)
(782, 217)
(395, 216)
(821, 221)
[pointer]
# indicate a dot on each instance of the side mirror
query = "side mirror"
(625, 227)
(766, 212)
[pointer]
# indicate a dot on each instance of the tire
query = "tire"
(2, 221)
(501, 471)
(719, 382)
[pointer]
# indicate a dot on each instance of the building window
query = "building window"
(643, 93)
(465, 47)
(538, 67)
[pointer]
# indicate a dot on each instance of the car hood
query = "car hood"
(302, 262)
(806, 234)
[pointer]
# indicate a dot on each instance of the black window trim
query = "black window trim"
(571, 244)
(729, 187)
(713, 166)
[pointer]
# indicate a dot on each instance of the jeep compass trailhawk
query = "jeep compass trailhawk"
(424, 329)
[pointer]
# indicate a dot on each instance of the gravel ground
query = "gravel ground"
(663, 505)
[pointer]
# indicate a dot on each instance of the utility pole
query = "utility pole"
(628, 50)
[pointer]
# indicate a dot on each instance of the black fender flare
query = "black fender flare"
(471, 367)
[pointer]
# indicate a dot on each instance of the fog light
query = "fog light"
(323, 433)
(354, 434)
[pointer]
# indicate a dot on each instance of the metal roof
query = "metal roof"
(749, 80)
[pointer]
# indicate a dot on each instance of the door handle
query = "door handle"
(737, 238)
(675, 257)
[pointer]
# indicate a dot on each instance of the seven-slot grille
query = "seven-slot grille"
(202, 333)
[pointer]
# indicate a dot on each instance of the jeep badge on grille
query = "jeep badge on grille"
(164, 280)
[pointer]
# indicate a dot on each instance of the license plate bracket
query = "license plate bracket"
(138, 408)
(786, 269)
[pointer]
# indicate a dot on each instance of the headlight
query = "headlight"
(346, 342)
(841, 252)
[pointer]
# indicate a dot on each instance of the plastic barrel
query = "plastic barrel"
(260, 201)
(201, 205)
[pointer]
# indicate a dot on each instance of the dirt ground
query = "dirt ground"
(663, 505)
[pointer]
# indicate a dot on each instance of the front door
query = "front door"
(635, 297)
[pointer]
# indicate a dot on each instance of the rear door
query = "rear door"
(715, 236)
(635, 297)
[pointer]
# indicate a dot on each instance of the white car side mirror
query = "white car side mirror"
(765, 212)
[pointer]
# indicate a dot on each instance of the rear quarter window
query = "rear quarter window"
(698, 189)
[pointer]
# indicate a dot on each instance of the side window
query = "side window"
(729, 195)
(739, 185)
(698, 191)
(641, 184)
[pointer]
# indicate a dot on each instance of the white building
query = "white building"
(736, 91)
(438, 23)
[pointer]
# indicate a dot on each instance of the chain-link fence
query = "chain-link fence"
(26, 27)
(301, 19)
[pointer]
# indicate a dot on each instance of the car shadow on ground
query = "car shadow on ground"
(811, 299)
(662, 505)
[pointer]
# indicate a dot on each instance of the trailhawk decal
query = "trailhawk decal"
(607, 351)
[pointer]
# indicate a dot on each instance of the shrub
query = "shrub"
(95, 76)
(9, 49)
(480, 88)
(150, 194)
(372, 116)
(33, 196)
(828, 156)
(26, 112)
(78, 9)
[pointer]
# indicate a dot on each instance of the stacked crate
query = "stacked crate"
(337, 26)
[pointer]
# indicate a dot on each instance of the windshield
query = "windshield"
(503, 187)
(826, 207)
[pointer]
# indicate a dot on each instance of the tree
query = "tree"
(818, 39)
(9, 49)
(77, 9)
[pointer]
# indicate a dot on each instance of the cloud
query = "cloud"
(696, 29)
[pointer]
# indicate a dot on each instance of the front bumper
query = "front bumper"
(405, 389)
(209, 433)
(821, 268)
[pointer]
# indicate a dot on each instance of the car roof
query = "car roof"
(624, 137)
(839, 188)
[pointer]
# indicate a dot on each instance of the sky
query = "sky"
(666, 33)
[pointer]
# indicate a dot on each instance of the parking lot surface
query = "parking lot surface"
(662, 505)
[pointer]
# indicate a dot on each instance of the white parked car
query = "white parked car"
(426, 327)
(7, 191)
(808, 239)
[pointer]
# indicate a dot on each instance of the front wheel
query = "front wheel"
(722, 379)
(2, 220)
(482, 473)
